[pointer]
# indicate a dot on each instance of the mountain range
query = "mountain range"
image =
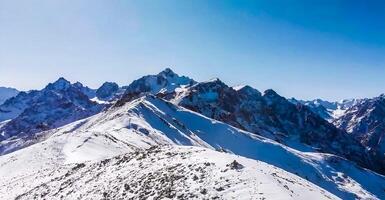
(6, 93)
(196, 140)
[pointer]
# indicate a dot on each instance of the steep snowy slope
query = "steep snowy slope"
(274, 117)
(150, 121)
(6, 93)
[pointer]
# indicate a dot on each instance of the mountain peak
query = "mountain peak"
(167, 72)
(270, 92)
(107, 90)
(214, 80)
(78, 84)
(246, 89)
(61, 80)
(59, 84)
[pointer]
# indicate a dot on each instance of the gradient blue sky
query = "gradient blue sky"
(303, 48)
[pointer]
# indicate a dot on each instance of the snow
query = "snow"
(165, 82)
(99, 101)
(148, 122)
(238, 87)
(338, 112)
(165, 172)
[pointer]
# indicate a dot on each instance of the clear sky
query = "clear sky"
(303, 48)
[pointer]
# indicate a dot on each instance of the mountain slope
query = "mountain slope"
(182, 173)
(170, 172)
(149, 121)
(6, 93)
(365, 121)
(57, 104)
(272, 116)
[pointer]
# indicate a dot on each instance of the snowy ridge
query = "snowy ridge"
(148, 121)
(177, 172)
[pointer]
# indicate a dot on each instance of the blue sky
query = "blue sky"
(307, 49)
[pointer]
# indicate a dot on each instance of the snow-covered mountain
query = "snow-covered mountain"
(365, 121)
(107, 91)
(59, 103)
(6, 93)
(173, 137)
(326, 109)
(90, 93)
(269, 115)
(113, 154)
(274, 117)
(362, 119)
(165, 82)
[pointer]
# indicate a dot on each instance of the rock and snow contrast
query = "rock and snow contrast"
(170, 137)
(326, 109)
(57, 104)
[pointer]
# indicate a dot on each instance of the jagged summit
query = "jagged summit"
(59, 84)
(248, 90)
(168, 72)
(59, 103)
(270, 92)
(78, 84)
(107, 90)
(166, 81)
(212, 83)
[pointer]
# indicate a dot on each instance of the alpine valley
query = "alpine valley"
(167, 136)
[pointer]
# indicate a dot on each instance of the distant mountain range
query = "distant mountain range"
(6, 93)
(362, 119)
(327, 144)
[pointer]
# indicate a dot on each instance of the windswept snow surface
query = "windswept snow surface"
(47, 168)
(165, 172)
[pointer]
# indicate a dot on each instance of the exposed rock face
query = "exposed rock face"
(272, 116)
(365, 122)
(165, 82)
(59, 103)
(107, 91)
(326, 109)
(268, 114)
(90, 93)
